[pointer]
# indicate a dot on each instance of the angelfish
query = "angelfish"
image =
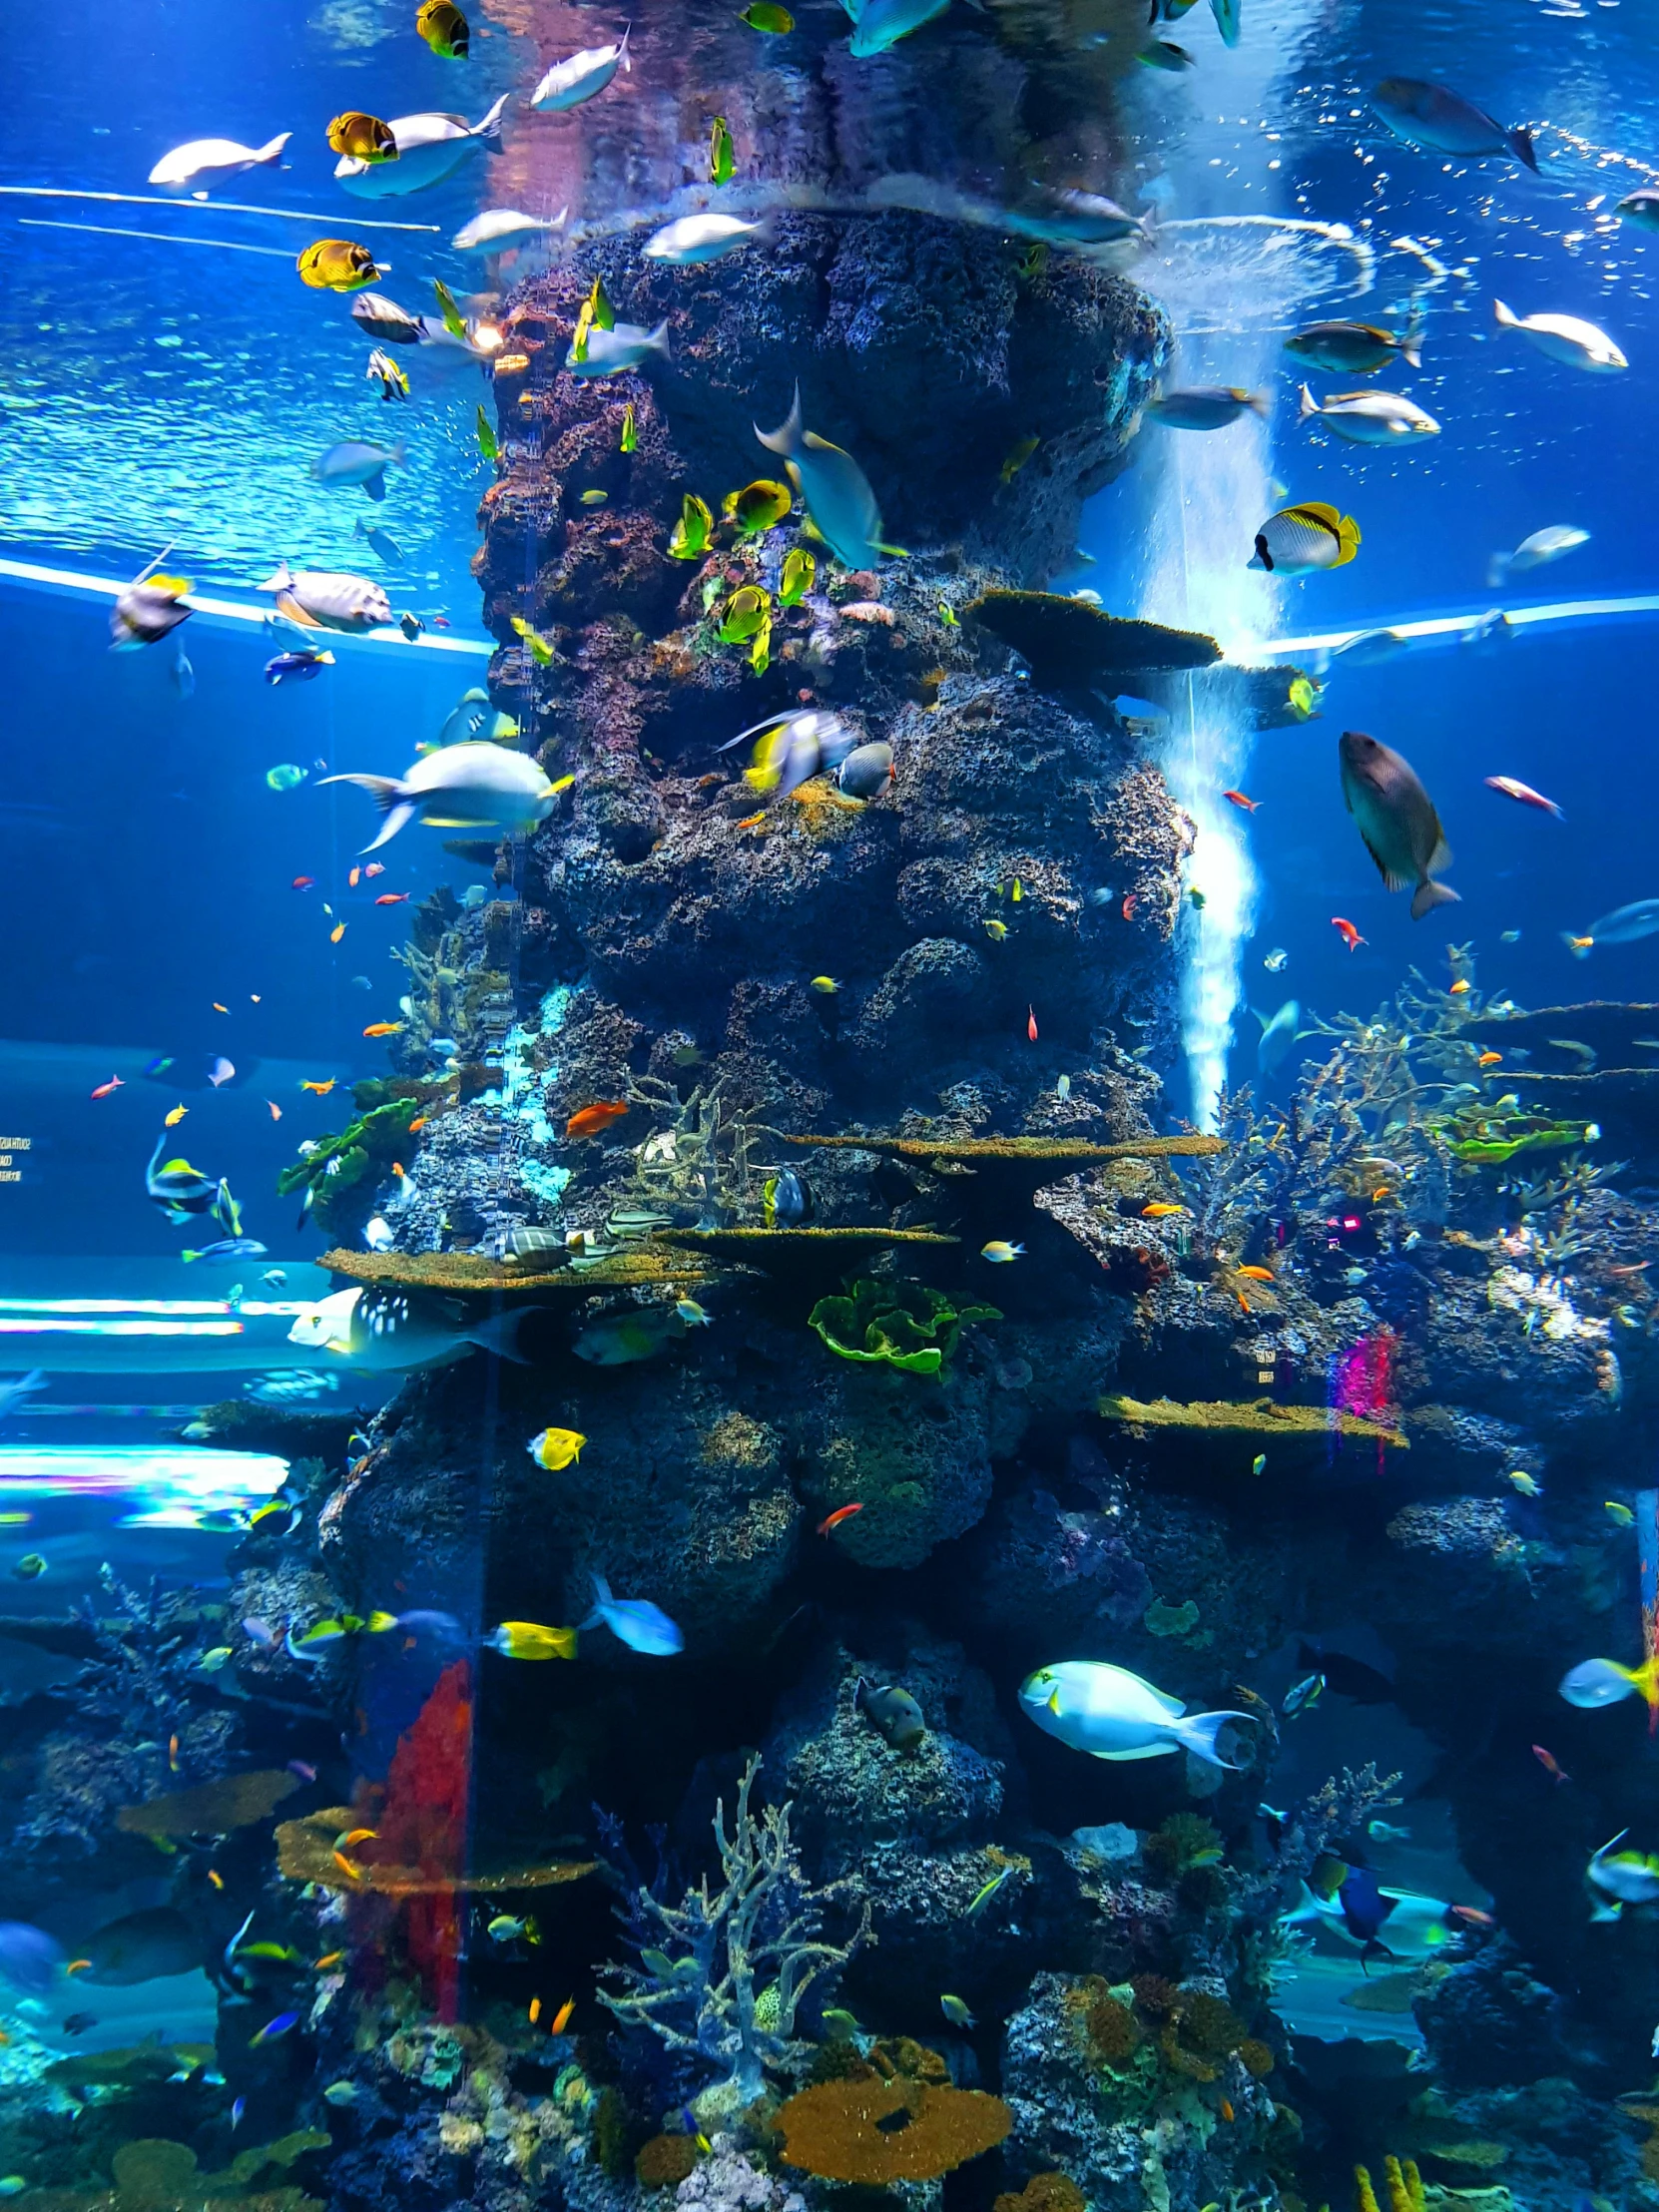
(1396, 820)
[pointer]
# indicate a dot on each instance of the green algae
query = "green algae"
(899, 1324)
(345, 1168)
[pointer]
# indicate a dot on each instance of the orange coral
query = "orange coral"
(1112, 2030)
(665, 2161)
(878, 2132)
(1043, 2193)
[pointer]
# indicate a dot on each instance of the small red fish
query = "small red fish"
(1511, 787)
(115, 1083)
(441, 622)
(275, 1110)
(374, 868)
(1226, 2109)
(588, 1121)
(172, 1753)
(1470, 1916)
(355, 878)
(1249, 806)
(834, 1519)
(303, 884)
(1031, 1023)
(1129, 905)
(1349, 936)
(1551, 1764)
(391, 898)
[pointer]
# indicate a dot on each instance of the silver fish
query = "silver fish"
(569, 83)
(430, 147)
(1204, 407)
(623, 346)
(323, 599)
(1435, 117)
(1369, 417)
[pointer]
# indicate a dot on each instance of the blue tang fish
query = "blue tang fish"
(640, 1625)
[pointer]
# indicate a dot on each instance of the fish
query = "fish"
(337, 265)
(1031, 1024)
(364, 137)
(1624, 925)
(390, 898)
(1244, 806)
(642, 1626)
(1524, 794)
(881, 24)
(956, 2012)
(562, 2018)
(431, 148)
(1161, 53)
(841, 1514)
(571, 82)
(744, 614)
(1564, 337)
(996, 930)
(509, 1927)
(468, 785)
(106, 1090)
(832, 487)
(999, 1252)
(1016, 457)
(380, 317)
(983, 1896)
(1162, 1209)
(341, 2093)
(1206, 407)
(1443, 122)
(274, 2028)
(866, 772)
(15, 1388)
(382, 541)
(200, 163)
(1630, 1876)
(1527, 1484)
(1620, 1514)
(1551, 1764)
(1353, 348)
(1348, 1900)
(629, 437)
(1384, 1832)
(530, 1641)
(792, 749)
(231, 1249)
(1278, 1034)
(892, 1712)
(1080, 220)
(1303, 1694)
(784, 1199)
(756, 507)
(1112, 1714)
(722, 165)
(78, 2023)
(382, 1028)
(690, 538)
(327, 598)
(220, 1072)
(150, 609)
(825, 985)
(767, 16)
(444, 28)
(588, 1121)
(1276, 962)
(299, 666)
(1594, 1683)
(505, 231)
(1396, 819)
(1299, 541)
(1535, 551)
(360, 463)
(556, 1448)
(693, 1315)
(1258, 1465)
(624, 346)
(177, 1188)
(1369, 417)
(383, 1332)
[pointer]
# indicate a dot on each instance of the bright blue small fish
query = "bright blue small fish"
(639, 1624)
(274, 2028)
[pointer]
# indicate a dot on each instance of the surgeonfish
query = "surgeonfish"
(1396, 820)
(1443, 122)
(1278, 1036)
(1564, 337)
(1369, 417)
(203, 162)
(1536, 551)
(325, 599)
(1112, 1714)
(699, 238)
(1630, 1876)
(569, 83)
(609, 353)
(1353, 348)
(1624, 925)
(1299, 541)
(1597, 1682)
(358, 462)
(386, 1332)
(881, 24)
(460, 787)
(504, 231)
(642, 1626)
(835, 489)
(430, 147)
(1204, 407)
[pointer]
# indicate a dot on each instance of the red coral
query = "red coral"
(1132, 1270)
(423, 1824)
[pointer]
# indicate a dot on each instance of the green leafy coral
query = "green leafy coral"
(898, 1324)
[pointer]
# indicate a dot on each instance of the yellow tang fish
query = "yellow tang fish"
(530, 1641)
(556, 1448)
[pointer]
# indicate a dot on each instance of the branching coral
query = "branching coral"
(721, 1975)
(701, 1154)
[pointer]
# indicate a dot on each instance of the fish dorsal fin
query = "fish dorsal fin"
(1319, 510)
(1172, 1706)
(823, 445)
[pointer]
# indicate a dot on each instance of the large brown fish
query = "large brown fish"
(1396, 818)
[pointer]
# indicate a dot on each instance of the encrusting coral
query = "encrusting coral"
(899, 1324)
(879, 2132)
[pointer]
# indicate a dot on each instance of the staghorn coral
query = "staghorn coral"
(881, 2131)
(707, 1962)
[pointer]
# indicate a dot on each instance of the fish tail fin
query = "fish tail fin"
(400, 456)
(490, 123)
(1308, 1910)
(388, 795)
(1347, 539)
(601, 1598)
(1505, 317)
(626, 59)
(1575, 946)
(1259, 404)
(657, 342)
(785, 439)
(1428, 895)
(1198, 1733)
(1309, 405)
(500, 1334)
(271, 152)
(1410, 345)
(1521, 145)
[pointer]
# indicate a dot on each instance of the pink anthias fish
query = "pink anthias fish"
(1524, 795)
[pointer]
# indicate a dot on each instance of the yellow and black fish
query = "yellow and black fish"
(444, 28)
(364, 137)
(758, 507)
(337, 265)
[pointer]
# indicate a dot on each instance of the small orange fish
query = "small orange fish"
(1349, 936)
(1031, 1023)
(1249, 806)
(1489, 1059)
(535, 2010)
(78, 1966)
(254, 998)
(303, 884)
(1159, 1210)
(330, 1958)
(588, 1121)
(752, 822)
(1243, 1300)
(374, 868)
(355, 1874)
(355, 878)
(104, 1090)
(356, 1835)
(1471, 1915)
(1458, 989)
(322, 1089)
(1258, 1274)
(1129, 905)
(1550, 1765)
(1579, 944)
(338, 931)
(174, 1115)
(216, 1878)
(561, 2018)
(172, 1753)
(391, 898)
(419, 1124)
(219, 1009)
(382, 1029)
(834, 1519)
(1225, 2108)
(275, 1110)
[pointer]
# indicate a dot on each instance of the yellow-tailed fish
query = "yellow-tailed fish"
(630, 429)
(556, 1448)
(1301, 540)
(540, 651)
(444, 28)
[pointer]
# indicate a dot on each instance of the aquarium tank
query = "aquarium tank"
(829, 1107)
